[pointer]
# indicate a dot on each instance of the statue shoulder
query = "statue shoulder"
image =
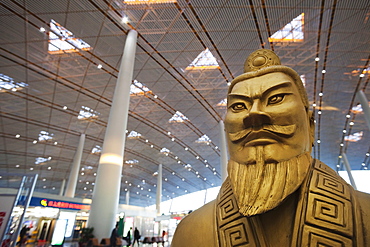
(364, 203)
(197, 228)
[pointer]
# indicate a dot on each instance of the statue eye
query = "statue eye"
(276, 99)
(238, 106)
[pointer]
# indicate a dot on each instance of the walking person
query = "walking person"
(136, 237)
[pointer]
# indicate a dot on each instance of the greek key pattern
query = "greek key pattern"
(314, 237)
(328, 217)
(233, 228)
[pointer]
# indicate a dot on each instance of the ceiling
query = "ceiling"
(170, 37)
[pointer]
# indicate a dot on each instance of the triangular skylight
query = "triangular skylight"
(355, 137)
(291, 32)
(165, 151)
(138, 88)
(45, 136)
(40, 160)
(222, 102)
(61, 40)
(96, 149)
(132, 162)
(133, 135)
(203, 139)
(8, 83)
(87, 113)
(205, 60)
(178, 117)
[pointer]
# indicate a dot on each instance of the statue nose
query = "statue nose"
(256, 116)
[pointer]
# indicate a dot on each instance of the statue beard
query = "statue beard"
(261, 186)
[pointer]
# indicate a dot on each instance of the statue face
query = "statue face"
(267, 120)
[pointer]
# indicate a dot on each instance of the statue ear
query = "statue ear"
(311, 119)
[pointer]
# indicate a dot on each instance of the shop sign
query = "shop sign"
(44, 202)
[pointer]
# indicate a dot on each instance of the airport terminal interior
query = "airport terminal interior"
(59, 65)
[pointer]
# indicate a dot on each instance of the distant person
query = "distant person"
(136, 237)
(163, 235)
(114, 236)
(128, 237)
(23, 235)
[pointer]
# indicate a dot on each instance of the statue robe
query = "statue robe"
(324, 211)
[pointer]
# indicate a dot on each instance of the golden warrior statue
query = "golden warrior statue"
(276, 194)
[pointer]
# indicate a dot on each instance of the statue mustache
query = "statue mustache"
(287, 130)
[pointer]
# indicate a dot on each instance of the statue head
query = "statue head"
(268, 113)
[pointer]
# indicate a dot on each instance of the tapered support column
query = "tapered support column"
(128, 197)
(159, 190)
(105, 198)
(73, 176)
(349, 172)
(223, 149)
(365, 106)
(61, 192)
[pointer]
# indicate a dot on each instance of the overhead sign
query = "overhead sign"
(44, 202)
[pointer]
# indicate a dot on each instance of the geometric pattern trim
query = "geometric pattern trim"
(329, 220)
(314, 237)
(234, 229)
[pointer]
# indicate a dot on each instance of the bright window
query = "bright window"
(291, 32)
(205, 60)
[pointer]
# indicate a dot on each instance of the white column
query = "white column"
(159, 190)
(73, 176)
(105, 198)
(365, 106)
(62, 187)
(223, 149)
(128, 197)
(349, 172)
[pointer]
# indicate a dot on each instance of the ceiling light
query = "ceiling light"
(344, 131)
(314, 105)
(34, 142)
(186, 149)
(17, 135)
(49, 168)
(321, 94)
(31, 168)
(341, 144)
(65, 107)
(125, 19)
(319, 112)
(318, 141)
(317, 59)
(205, 179)
(100, 66)
(348, 116)
(42, 29)
(351, 123)
(367, 154)
(362, 75)
(323, 71)
(55, 143)
(155, 96)
(183, 179)
(17, 166)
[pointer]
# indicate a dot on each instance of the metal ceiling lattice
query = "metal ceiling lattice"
(170, 37)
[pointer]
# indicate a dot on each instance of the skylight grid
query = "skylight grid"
(138, 88)
(45, 136)
(8, 83)
(62, 40)
(96, 150)
(205, 60)
(178, 117)
(292, 32)
(203, 139)
(133, 135)
(87, 113)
